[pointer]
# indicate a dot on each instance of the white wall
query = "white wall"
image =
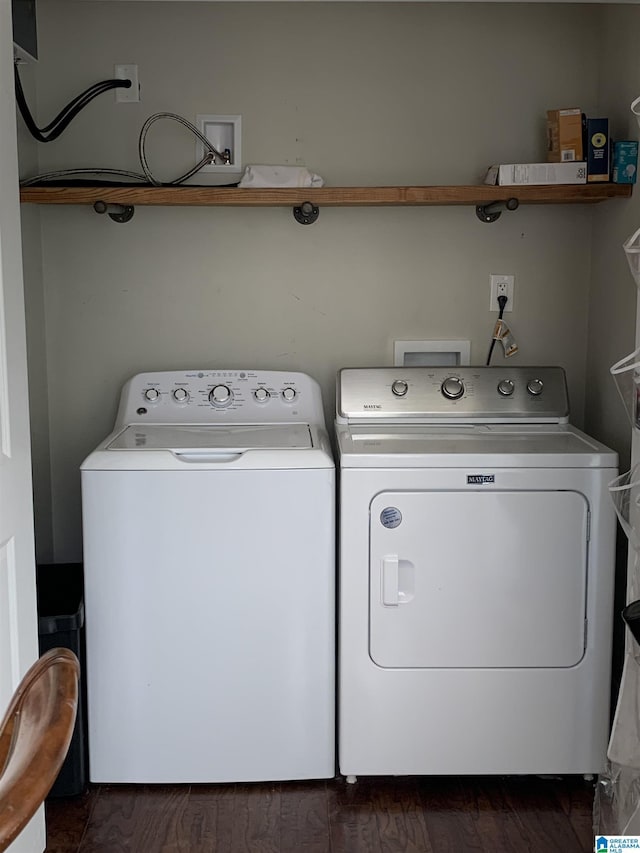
(361, 93)
(613, 293)
(36, 341)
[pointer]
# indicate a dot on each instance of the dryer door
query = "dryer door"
(478, 578)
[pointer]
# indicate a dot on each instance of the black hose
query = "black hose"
(60, 123)
(502, 301)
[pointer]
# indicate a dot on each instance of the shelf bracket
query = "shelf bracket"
(117, 212)
(492, 211)
(306, 213)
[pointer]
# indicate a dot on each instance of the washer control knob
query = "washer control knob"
(180, 395)
(400, 387)
(289, 394)
(220, 395)
(506, 387)
(535, 386)
(452, 388)
(261, 394)
(152, 395)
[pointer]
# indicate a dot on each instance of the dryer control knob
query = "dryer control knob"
(152, 395)
(220, 395)
(289, 394)
(535, 386)
(261, 394)
(399, 387)
(180, 395)
(452, 388)
(506, 387)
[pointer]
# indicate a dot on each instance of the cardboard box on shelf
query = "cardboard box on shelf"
(625, 162)
(596, 139)
(537, 173)
(564, 135)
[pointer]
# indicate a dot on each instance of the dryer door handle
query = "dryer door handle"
(390, 580)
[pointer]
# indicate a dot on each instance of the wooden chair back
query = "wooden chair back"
(34, 738)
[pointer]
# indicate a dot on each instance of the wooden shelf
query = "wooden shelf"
(325, 196)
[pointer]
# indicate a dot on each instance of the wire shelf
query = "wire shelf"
(631, 248)
(626, 375)
(625, 493)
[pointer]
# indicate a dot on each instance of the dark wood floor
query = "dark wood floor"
(384, 815)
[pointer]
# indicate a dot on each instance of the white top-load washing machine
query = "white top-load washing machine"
(476, 574)
(209, 559)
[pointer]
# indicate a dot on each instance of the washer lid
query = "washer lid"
(193, 438)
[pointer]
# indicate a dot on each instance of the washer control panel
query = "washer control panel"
(216, 396)
(476, 394)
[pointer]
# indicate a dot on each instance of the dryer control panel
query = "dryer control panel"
(443, 394)
(217, 396)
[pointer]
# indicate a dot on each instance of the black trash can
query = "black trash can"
(61, 623)
(631, 615)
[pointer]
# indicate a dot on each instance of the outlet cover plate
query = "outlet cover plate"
(223, 131)
(132, 94)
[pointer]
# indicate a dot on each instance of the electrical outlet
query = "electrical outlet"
(501, 285)
(127, 72)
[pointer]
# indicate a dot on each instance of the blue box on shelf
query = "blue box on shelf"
(625, 162)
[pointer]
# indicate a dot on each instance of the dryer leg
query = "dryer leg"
(351, 780)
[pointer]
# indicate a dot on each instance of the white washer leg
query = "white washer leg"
(351, 780)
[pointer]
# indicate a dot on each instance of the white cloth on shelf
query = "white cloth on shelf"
(258, 177)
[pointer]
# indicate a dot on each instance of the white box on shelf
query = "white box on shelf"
(515, 174)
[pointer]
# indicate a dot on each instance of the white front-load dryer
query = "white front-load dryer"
(208, 520)
(476, 574)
